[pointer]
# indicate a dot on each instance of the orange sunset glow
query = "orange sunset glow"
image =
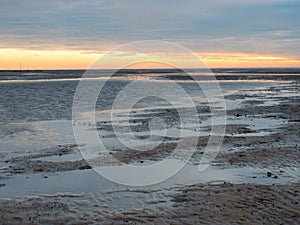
(15, 59)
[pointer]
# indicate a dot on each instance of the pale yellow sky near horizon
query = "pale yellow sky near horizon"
(15, 59)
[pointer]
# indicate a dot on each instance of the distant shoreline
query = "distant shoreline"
(172, 70)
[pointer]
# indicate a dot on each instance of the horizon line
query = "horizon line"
(150, 68)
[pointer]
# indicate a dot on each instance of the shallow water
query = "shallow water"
(37, 115)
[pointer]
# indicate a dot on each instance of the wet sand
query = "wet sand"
(277, 151)
(197, 204)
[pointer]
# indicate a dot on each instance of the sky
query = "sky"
(73, 34)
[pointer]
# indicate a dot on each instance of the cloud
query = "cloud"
(259, 26)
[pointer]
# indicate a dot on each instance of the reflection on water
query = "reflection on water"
(36, 114)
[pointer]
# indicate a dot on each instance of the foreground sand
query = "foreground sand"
(228, 204)
(197, 204)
